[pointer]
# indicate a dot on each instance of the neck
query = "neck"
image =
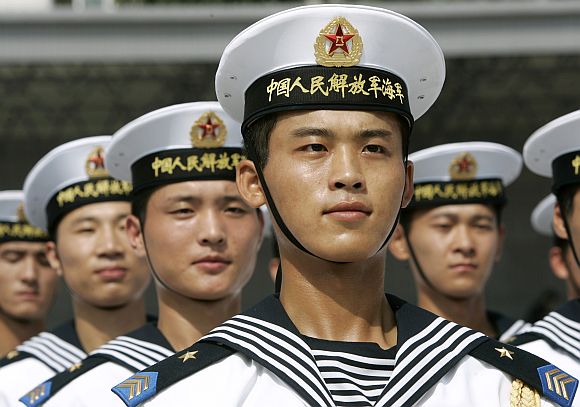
(13, 332)
(340, 302)
(470, 312)
(183, 321)
(96, 326)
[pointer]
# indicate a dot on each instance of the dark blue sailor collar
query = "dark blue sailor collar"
(505, 326)
(138, 349)
(560, 328)
(57, 349)
(427, 348)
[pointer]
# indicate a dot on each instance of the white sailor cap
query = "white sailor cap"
(341, 57)
(69, 176)
(470, 172)
(13, 223)
(185, 142)
(554, 151)
(543, 215)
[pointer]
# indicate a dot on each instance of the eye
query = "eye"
(12, 257)
(42, 260)
(443, 227)
(315, 148)
(236, 210)
(182, 211)
(484, 226)
(374, 149)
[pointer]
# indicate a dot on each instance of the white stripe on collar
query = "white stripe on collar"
(516, 328)
(52, 351)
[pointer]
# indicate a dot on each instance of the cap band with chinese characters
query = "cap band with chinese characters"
(13, 223)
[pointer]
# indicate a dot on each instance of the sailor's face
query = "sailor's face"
(27, 282)
(95, 258)
(456, 247)
(202, 239)
(338, 180)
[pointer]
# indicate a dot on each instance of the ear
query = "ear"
(501, 239)
(398, 245)
(557, 263)
(409, 188)
(53, 258)
(135, 235)
(558, 223)
(249, 184)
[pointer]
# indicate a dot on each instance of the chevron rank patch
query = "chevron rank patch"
(136, 388)
(38, 395)
(558, 385)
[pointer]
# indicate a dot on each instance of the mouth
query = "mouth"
(28, 295)
(112, 273)
(463, 267)
(353, 211)
(213, 264)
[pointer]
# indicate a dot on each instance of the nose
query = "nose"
(211, 229)
(464, 242)
(346, 171)
(111, 243)
(29, 273)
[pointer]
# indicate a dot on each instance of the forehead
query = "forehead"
(101, 211)
(339, 121)
(22, 246)
(460, 211)
(200, 190)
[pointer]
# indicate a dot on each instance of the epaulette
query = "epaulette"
(13, 356)
(43, 392)
(156, 378)
(544, 378)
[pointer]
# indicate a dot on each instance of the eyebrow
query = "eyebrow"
(97, 220)
(325, 133)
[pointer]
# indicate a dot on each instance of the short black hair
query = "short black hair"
(139, 203)
(407, 215)
(257, 137)
(566, 197)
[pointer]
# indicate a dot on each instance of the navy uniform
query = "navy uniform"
(464, 173)
(199, 142)
(386, 62)
(69, 176)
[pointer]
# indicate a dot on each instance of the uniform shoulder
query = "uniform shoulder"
(545, 378)
(145, 384)
(46, 390)
(13, 356)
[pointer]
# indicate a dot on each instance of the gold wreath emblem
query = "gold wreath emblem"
(338, 44)
(95, 164)
(463, 167)
(208, 131)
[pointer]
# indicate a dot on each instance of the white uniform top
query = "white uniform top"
(105, 367)
(36, 360)
(259, 356)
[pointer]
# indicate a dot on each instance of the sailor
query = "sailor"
(27, 282)
(554, 151)
(70, 195)
(451, 232)
(328, 95)
(200, 237)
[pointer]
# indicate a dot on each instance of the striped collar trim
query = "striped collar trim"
(137, 350)
(52, 350)
(562, 332)
(428, 347)
(518, 327)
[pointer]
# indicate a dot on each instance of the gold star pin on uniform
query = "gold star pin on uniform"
(74, 367)
(188, 355)
(12, 354)
(503, 352)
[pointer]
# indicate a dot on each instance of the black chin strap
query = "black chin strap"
(274, 211)
(418, 265)
(568, 231)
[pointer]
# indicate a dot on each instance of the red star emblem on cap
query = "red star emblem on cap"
(464, 165)
(339, 40)
(98, 160)
(208, 128)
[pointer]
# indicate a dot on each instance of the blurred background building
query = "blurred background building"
(76, 68)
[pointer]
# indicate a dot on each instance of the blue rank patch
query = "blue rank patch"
(558, 385)
(137, 388)
(38, 395)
